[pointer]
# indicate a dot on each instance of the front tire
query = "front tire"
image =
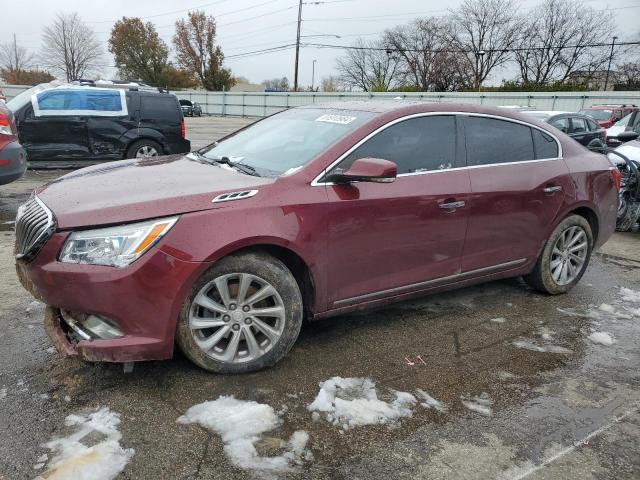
(564, 258)
(243, 314)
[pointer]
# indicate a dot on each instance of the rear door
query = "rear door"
(518, 183)
(579, 131)
(387, 238)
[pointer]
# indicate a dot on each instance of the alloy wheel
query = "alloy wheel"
(146, 151)
(568, 255)
(237, 318)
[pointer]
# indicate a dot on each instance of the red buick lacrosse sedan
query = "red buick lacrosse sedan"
(312, 212)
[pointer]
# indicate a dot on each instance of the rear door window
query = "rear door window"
(415, 145)
(578, 125)
(160, 107)
(491, 141)
(561, 124)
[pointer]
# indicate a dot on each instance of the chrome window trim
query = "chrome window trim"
(316, 181)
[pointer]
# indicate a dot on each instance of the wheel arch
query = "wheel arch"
(591, 216)
(301, 271)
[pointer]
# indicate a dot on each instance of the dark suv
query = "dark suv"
(80, 122)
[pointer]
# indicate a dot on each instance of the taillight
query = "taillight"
(183, 129)
(616, 176)
(5, 125)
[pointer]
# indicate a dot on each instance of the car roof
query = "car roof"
(402, 106)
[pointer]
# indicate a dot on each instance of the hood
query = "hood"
(614, 131)
(131, 190)
(630, 149)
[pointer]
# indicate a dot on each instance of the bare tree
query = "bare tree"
(482, 31)
(553, 26)
(71, 47)
(14, 59)
(276, 84)
(330, 84)
(629, 75)
(370, 67)
(425, 60)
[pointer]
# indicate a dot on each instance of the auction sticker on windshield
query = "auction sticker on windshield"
(341, 119)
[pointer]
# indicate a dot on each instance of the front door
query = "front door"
(387, 238)
(518, 185)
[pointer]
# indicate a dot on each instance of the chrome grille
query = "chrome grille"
(34, 226)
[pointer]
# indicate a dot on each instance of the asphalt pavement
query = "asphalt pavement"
(526, 390)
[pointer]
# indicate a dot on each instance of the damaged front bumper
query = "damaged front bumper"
(139, 304)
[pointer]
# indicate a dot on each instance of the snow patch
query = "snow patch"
(498, 320)
(35, 306)
(429, 402)
(603, 338)
(240, 424)
(480, 404)
(534, 347)
(629, 295)
(3, 393)
(354, 402)
(74, 457)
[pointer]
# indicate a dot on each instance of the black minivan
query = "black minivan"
(80, 122)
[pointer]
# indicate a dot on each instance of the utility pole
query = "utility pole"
(606, 79)
(295, 78)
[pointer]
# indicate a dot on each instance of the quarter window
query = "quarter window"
(492, 141)
(415, 145)
(545, 145)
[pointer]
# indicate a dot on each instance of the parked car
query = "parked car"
(607, 115)
(627, 158)
(630, 123)
(13, 161)
(313, 212)
(110, 122)
(581, 128)
(190, 109)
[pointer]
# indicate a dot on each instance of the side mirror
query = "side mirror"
(627, 136)
(366, 170)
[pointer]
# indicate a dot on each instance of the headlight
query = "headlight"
(115, 246)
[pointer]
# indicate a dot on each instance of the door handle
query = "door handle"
(452, 205)
(552, 189)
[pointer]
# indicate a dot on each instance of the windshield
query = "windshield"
(597, 113)
(20, 100)
(287, 140)
(186, 103)
(624, 122)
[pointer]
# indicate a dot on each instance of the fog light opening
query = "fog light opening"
(101, 327)
(92, 327)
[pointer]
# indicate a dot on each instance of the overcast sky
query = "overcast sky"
(249, 25)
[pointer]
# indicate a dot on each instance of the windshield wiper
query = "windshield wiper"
(244, 168)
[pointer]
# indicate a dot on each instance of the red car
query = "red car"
(313, 212)
(13, 159)
(607, 115)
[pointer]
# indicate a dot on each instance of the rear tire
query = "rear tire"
(235, 333)
(628, 214)
(564, 258)
(144, 148)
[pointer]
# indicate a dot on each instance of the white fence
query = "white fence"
(252, 104)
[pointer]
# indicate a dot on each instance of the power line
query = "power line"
(446, 50)
(166, 13)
